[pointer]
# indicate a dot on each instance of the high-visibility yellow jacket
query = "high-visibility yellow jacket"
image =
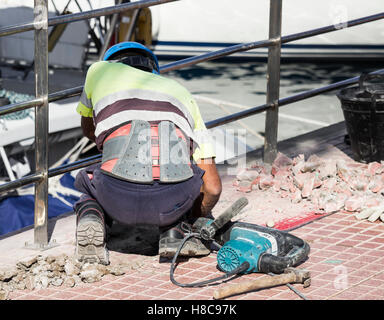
(115, 93)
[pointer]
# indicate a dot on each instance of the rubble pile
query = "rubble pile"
(330, 185)
(42, 272)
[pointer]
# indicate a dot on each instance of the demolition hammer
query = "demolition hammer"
(245, 247)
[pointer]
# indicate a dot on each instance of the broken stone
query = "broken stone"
(335, 204)
(41, 274)
(342, 188)
(308, 186)
(364, 214)
(276, 185)
(354, 204)
(247, 174)
(30, 282)
(324, 198)
(300, 179)
(357, 184)
(374, 167)
(39, 268)
(372, 202)
(296, 196)
(255, 186)
(282, 174)
(57, 282)
(329, 184)
(284, 186)
(310, 166)
(70, 268)
(50, 259)
(317, 183)
(27, 263)
(19, 278)
(8, 274)
(315, 159)
(61, 260)
(244, 186)
(282, 161)
(284, 194)
(266, 181)
(90, 273)
(4, 295)
(327, 170)
(69, 282)
(342, 169)
(299, 158)
(43, 281)
(258, 166)
(377, 212)
(296, 169)
(117, 271)
(376, 185)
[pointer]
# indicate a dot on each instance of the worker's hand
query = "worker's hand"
(210, 190)
(371, 214)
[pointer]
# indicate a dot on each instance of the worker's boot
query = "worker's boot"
(91, 233)
(171, 238)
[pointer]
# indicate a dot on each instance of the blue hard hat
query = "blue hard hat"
(132, 46)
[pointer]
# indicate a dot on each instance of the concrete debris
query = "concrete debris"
(331, 185)
(377, 212)
(282, 161)
(41, 272)
(248, 174)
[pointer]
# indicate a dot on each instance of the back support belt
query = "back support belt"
(141, 152)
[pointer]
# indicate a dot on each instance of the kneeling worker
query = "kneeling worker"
(157, 164)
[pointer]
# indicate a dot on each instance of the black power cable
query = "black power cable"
(244, 266)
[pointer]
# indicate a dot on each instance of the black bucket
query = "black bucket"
(363, 108)
(4, 101)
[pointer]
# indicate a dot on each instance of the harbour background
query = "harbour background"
(227, 86)
(244, 83)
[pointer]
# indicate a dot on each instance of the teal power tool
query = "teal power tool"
(245, 247)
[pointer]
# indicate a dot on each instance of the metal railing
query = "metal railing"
(273, 101)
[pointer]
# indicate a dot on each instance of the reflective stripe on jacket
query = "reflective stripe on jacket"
(115, 93)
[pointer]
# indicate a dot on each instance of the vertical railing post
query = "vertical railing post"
(111, 31)
(273, 84)
(41, 122)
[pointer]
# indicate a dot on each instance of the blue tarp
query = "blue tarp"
(18, 212)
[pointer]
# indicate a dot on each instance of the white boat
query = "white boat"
(192, 27)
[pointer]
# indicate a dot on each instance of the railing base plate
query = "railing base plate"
(41, 247)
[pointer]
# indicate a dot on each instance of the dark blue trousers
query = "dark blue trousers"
(130, 203)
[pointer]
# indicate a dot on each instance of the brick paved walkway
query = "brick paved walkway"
(346, 262)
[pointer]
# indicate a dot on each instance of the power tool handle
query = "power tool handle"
(228, 214)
